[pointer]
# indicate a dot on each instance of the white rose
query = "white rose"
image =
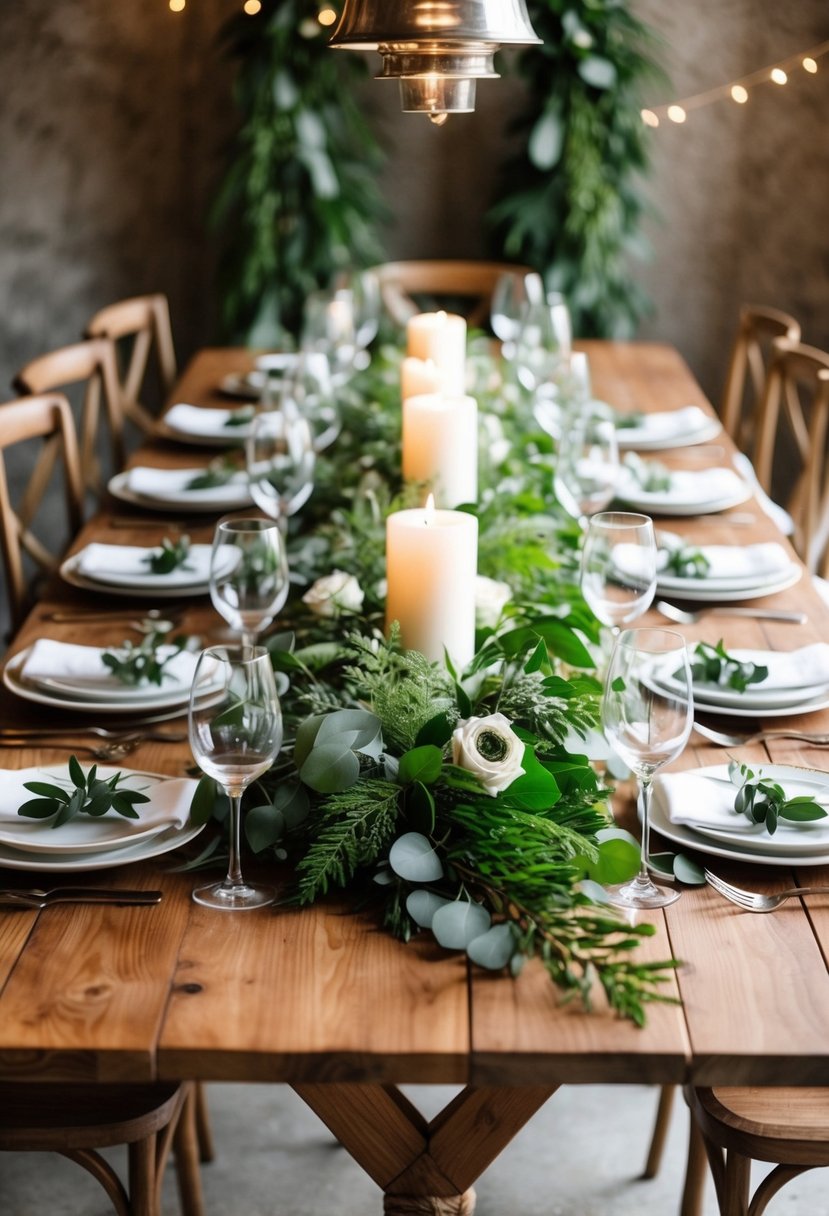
(491, 597)
(335, 593)
(489, 748)
(497, 445)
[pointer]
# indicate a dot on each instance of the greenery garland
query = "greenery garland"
(568, 202)
(456, 801)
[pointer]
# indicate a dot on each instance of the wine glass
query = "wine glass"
(328, 326)
(587, 465)
(310, 387)
(543, 343)
(511, 295)
(280, 461)
(249, 580)
(647, 725)
(618, 566)
(235, 738)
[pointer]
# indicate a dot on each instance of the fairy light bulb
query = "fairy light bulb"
(326, 16)
(649, 118)
(252, 7)
(177, 6)
(739, 94)
(778, 76)
(676, 113)
(810, 64)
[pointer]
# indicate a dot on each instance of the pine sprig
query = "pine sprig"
(348, 831)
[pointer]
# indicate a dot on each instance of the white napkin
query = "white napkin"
(169, 803)
(689, 487)
(707, 803)
(83, 665)
(805, 668)
(125, 563)
(758, 561)
(171, 485)
(212, 424)
(775, 512)
(672, 424)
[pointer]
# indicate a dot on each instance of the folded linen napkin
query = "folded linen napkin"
(127, 564)
(697, 487)
(758, 561)
(672, 424)
(169, 804)
(209, 423)
(172, 485)
(706, 802)
(805, 668)
(83, 665)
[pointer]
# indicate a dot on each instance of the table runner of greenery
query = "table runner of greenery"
(459, 801)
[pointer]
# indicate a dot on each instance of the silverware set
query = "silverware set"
(37, 898)
(114, 745)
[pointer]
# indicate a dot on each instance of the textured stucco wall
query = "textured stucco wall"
(115, 117)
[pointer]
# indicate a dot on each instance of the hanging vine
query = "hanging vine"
(568, 201)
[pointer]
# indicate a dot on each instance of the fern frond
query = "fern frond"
(347, 831)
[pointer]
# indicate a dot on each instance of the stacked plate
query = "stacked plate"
(73, 677)
(125, 570)
(689, 492)
(159, 489)
(797, 683)
(250, 385)
(696, 810)
(671, 429)
(87, 843)
(733, 572)
(208, 427)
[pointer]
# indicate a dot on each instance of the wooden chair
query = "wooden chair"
(141, 325)
(78, 1120)
(789, 1127)
(758, 328)
(47, 418)
(797, 395)
(93, 364)
(468, 286)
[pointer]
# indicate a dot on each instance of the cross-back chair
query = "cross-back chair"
(466, 285)
(791, 448)
(141, 326)
(736, 1126)
(47, 418)
(78, 1120)
(90, 363)
(745, 383)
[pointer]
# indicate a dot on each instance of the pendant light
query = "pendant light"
(437, 49)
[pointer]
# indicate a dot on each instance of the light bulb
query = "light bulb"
(649, 118)
(810, 64)
(676, 114)
(326, 16)
(778, 76)
(252, 7)
(739, 94)
(176, 6)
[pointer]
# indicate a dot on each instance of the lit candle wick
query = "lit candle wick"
(429, 510)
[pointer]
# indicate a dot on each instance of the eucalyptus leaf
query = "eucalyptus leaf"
(598, 72)
(422, 906)
(492, 949)
(546, 140)
(688, 871)
(330, 768)
(412, 857)
(459, 923)
(264, 826)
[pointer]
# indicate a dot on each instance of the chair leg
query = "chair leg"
(186, 1150)
(735, 1191)
(695, 1173)
(203, 1132)
(660, 1131)
(142, 1170)
(102, 1172)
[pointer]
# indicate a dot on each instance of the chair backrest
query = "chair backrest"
(48, 418)
(93, 364)
(745, 381)
(468, 285)
(798, 381)
(141, 325)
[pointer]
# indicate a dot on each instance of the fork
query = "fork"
(683, 617)
(753, 901)
(112, 750)
(760, 736)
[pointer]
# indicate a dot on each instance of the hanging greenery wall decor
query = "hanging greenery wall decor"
(568, 201)
(300, 197)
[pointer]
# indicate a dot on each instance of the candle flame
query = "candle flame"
(429, 510)
(441, 316)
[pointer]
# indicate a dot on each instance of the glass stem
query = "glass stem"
(248, 644)
(645, 785)
(234, 864)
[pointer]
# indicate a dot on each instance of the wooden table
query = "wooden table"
(325, 1001)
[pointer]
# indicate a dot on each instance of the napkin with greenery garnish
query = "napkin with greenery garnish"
(806, 667)
(50, 662)
(708, 802)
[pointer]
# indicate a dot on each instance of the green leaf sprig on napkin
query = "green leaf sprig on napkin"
(172, 555)
(714, 665)
(142, 664)
(650, 475)
(239, 418)
(218, 473)
(686, 562)
(88, 795)
(624, 422)
(764, 801)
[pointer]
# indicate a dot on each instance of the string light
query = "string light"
(176, 6)
(326, 16)
(737, 90)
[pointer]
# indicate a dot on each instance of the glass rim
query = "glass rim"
(622, 519)
(627, 638)
(247, 523)
(235, 652)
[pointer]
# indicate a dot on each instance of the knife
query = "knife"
(36, 898)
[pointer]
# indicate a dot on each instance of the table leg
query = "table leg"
(425, 1168)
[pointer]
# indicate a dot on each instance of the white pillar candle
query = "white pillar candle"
(441, 337)
(440, 446)
(418, 376)
(431, 566)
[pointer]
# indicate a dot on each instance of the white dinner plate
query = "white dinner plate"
(216, 433)
(70, 573)
(153, 846)
(248, 385)
(690, 839)
(754, 697)
(156, 698)
(630, 439)
(196, 501)
(709, 591)
(85, 834)
(672, 502)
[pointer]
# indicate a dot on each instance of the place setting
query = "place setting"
(221, 486)
(171, 569)
(660, 430)
(652, 487)
(206, 426)
(722, 573)
(251, 384)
